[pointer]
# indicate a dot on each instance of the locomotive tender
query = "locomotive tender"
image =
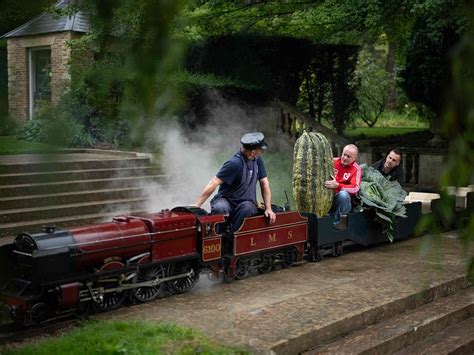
(56, 273)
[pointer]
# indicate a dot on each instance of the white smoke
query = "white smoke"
(188, 166)
(190, 161)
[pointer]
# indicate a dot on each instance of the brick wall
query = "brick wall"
(18, 79)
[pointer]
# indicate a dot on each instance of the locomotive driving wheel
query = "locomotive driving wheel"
(39, 313)
(111, 300)
(149, 293)
(106, 301)
(185, 283)
(242, 270)
(267, 263)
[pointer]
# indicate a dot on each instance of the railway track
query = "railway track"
(12, 333)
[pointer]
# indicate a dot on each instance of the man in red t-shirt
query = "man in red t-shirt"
(345, 182)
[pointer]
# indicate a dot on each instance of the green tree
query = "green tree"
(437, 29)
(419, 34)
(373, 82)
(126, 83)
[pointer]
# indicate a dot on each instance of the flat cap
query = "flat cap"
(253, 140)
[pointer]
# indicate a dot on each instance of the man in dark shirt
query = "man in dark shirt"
(391, 167)
(237, 181)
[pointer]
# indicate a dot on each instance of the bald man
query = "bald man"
(345, 182)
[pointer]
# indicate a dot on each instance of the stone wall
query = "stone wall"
(18, 71)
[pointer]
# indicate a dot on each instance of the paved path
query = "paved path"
(286, 308)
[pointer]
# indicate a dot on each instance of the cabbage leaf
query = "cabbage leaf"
(384, 196)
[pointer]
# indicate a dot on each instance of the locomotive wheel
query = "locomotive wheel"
(242, 270)
(183, 284)
(289, 258)
(39, 313)
(146, 294)
(111, 301)
(267, 263)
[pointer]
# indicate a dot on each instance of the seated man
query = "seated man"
(345, 182)
(237, 180)
(391, 167)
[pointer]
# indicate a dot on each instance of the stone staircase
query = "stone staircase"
(71, 188)
(445, 325)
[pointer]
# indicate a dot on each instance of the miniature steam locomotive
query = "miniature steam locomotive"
(56, 273)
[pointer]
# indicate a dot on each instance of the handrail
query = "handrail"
(293, 122)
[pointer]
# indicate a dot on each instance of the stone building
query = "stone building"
(38, 55)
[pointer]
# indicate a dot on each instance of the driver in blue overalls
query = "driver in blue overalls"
(237, 180)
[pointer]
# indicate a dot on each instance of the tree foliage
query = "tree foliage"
(437, 28)
(325, 92)
(419, 35)
(373, 82)
(330, 21)
(131, 55)
(270, 65)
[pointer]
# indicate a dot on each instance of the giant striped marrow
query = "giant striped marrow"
(312, 166)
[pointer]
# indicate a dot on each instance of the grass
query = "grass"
(100, 337)
(380, 132)
(395, 119)
(11, 145)
(389, 124)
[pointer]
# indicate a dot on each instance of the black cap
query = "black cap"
(253, 140)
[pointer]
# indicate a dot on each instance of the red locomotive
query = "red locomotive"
(57, 273)
(61, 272)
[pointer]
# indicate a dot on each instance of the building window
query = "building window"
(40, 77)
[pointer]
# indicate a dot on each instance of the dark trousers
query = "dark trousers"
(341, 204)
(236, 213)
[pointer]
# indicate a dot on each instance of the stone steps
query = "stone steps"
(72, 188)
(409, 331)
(65, 198)
(78, 185)
(319, 339)
(456, 339)
(69, 175)
(70, 210)
(49, 165)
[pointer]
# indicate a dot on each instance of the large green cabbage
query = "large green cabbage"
(384, 196)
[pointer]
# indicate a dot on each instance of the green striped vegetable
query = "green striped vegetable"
(312, 166)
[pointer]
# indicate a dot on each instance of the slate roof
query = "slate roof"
(48, 23)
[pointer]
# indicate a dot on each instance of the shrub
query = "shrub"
(7, 125)
(53, 126)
